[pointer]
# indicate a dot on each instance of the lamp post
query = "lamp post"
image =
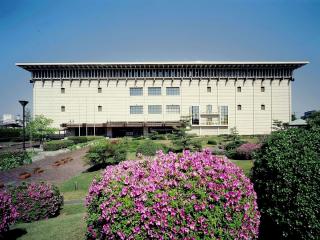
(23, 104)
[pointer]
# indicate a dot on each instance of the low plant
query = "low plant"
(57, 144)
(106, 152)
(35, 201)
(9, 160)
(149, 148)
(286, 177)
(9, 134)
(246, 151)
(173, 196)
(212, 142)
(8, 212)
(84, 139)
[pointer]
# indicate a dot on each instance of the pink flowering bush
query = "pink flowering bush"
(173, 196)
(8, 212)
(36, 201)
(246, 150)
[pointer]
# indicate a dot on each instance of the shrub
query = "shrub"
(149, 148)
(35, 201)
(9, 134)
(57, 144)
(78, 139)
(286, 176)
(173, 196)
(107, 152)
(212, 142)
(156, 136)
(246, 150)
(8, 212)
(10, 160)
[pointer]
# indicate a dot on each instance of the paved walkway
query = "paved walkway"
(51, 173)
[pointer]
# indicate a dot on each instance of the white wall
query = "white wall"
(82, 100)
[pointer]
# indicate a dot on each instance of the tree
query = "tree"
(314, 119)
(279, 125)
(293, 117)
(39, 128)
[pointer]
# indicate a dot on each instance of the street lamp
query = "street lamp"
(23, 104)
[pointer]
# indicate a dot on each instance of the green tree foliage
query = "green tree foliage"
(286, 177)
(182, 140)
(314, 119)
(40, 127)
(279, 125)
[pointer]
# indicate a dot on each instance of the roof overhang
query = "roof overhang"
(164, 64)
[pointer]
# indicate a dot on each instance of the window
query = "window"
(195, 115)
(209, 89)
(136, 109)
(173, 109)
(224, 115)
(209, 108)
(63, 108)
(136, 91)
(239, 107)
(263, 107)
(99, 90)
(63, 90)
(173, 91)
(263, 89)
(238, 89)
(99, 108)
(154, 109)
(154, 91)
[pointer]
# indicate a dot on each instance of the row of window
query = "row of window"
(262, 107)
(178, 72)
(157, 109)
(152, 109)
(156, 91)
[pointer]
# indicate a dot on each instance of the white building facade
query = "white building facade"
(117, 99)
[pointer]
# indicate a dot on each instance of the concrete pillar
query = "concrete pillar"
(109, 132)
(145, 131)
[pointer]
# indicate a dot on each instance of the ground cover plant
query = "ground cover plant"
(8, 212)
(173, 196)
(286, 177)
(35, 201)
(9, 160)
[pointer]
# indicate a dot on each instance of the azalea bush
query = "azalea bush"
(173, 196)
(246, 150)
(8, 212)
(36, 201)
(286, 177)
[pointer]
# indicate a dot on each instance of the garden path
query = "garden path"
(51, 173)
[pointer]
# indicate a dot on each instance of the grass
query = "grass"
(246, 165)
(77, 187)
(69, 225)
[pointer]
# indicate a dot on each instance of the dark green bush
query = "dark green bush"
(78, 139)
(57, 144)
(156, 136)
(212, 142)
(106, 152)
(149, 148)
(10, 160)
(9, 134)
(286, 177)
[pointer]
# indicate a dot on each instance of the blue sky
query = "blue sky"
(141, 30)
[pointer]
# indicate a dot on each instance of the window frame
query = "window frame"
(99, 108)
(135, 112)
(131, 91)
(169, 91)
(99, 90)
(239, 107)
(239, 89)
(263, 107)
(152, 108)
(62, 90)
(63, 108)
(151, 92)
(171, 111)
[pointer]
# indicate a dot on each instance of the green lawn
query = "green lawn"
(246, 165)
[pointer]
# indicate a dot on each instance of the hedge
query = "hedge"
(57, 144)
(286, 177)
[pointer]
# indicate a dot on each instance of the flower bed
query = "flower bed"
(8, 212)
(173, 196)
(36, 201)
(246, 150)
